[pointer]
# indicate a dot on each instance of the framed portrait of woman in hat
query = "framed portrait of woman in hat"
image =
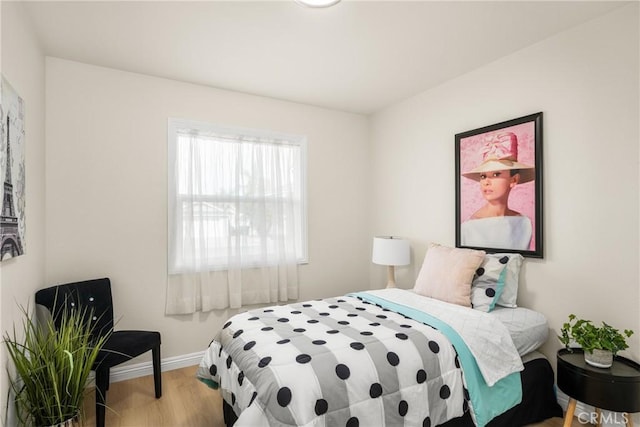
(499, 187)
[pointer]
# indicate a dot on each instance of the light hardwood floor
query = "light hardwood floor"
(185, 402)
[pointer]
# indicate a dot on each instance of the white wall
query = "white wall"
(585, 81)
(23, 67)
(106, 163)
(106, 199)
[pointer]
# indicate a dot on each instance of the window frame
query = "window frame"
(174, 125)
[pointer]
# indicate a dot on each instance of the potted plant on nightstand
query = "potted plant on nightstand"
(600, 344)
(52, 366)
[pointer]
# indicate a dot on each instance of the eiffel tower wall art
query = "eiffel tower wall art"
(12, 222)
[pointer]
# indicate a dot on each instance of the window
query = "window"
(236, 197)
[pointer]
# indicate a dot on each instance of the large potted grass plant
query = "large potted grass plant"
(52, 366)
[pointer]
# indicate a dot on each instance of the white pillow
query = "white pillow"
(488, 284)
(446, 274)
(509, 294)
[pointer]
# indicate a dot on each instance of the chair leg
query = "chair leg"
(102, 384)
(108, 374)
(157, 372)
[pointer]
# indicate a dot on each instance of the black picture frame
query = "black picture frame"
(506, 205)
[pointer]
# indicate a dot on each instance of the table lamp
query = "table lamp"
(390, 251)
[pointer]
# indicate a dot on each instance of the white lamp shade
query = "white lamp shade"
(389, 250)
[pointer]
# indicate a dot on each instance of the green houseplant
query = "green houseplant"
(52, 367)
(600, 344)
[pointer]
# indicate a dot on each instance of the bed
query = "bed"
(384, 357)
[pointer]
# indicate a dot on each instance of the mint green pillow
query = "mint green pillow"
(510, 281)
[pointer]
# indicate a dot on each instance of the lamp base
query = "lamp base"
(391, 276)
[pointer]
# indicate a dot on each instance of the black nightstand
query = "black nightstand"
(616, 388)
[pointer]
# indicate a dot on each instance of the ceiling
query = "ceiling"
(357, 56)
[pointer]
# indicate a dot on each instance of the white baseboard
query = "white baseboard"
(128, 372)
(585, 413)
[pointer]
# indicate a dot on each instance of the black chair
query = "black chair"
(120, 346)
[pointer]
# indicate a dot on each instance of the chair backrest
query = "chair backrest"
(92, 295)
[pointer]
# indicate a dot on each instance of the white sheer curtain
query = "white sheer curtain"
(235, 218)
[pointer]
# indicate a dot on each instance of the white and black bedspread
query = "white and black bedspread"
(342, 361)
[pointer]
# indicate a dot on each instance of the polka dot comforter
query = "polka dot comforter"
(346, 361)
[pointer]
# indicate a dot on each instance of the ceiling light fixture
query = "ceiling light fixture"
(317, 3)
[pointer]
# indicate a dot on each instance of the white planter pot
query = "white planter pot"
(599, 358)
(71, 422)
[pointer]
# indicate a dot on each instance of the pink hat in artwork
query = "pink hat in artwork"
(500, 152)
